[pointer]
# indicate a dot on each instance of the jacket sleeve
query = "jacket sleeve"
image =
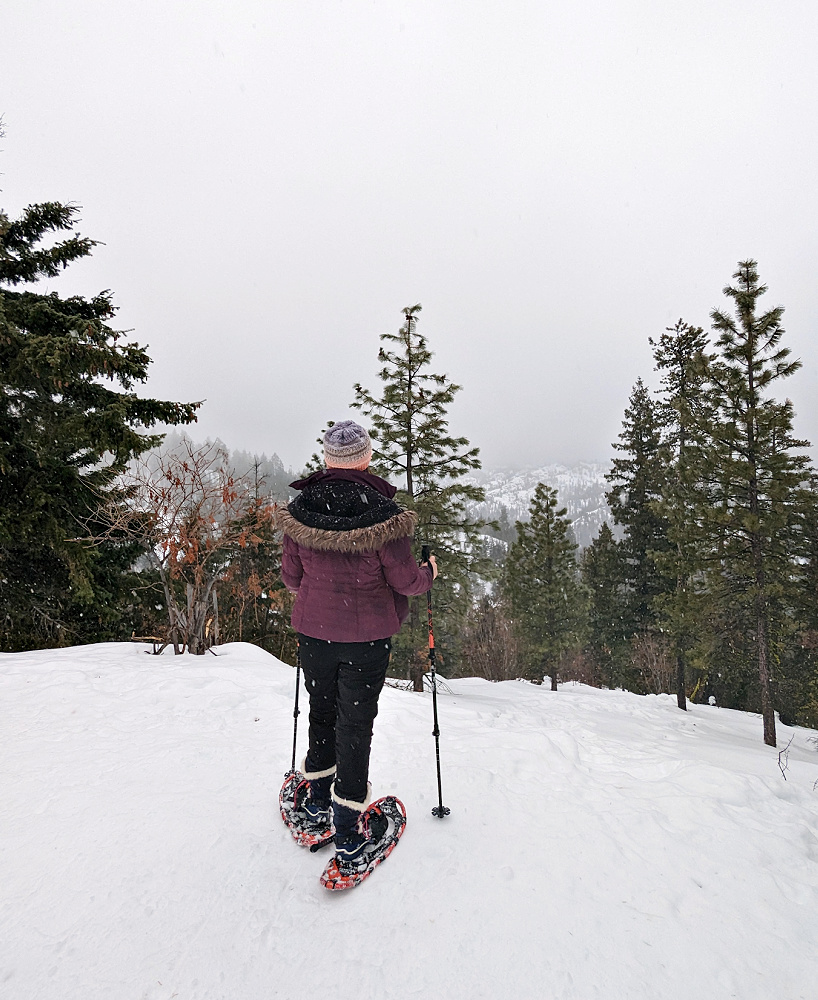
(291, 569)
(401, 571)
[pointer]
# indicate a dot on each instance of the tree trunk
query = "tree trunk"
(762, 627)
(681, 587)
(761, 611)
(767, 711)
(681, 576)
(173, 615)
(197, 620)
(418, 669)
(681, 695)
(189, 623)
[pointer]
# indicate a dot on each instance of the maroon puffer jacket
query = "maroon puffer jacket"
(347, 554)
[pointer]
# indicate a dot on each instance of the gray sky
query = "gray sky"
(554, 182)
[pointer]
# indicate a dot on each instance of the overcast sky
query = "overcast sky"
(553, 181)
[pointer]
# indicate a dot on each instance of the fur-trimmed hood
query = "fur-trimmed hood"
(366, 539)
(345, 510)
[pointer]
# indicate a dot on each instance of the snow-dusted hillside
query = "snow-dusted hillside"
(581, 488)
(600, 845)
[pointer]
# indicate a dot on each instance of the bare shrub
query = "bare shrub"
(193, 516)
(654, 663)
(579, 665)
(489, 647)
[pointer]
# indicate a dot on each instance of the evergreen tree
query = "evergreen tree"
(756, 474)
(796, 690)
(412, 447)
(639, 480)
(608, 633)
(540, 583)
(64, 437)
(684, 414)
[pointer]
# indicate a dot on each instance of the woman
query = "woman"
(347, 555)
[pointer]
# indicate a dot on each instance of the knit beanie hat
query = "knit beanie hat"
(347, 446)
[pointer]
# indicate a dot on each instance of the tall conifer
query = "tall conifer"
(684, 414)
(413, 448)
(757, 470)
(65, 434)
(796, 692)
(608, 632)
(639, 479)
(541, 584)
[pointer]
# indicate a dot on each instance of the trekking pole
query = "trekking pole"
(439, 810)
(295, 709)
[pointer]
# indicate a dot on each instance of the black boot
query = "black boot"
(312, 796)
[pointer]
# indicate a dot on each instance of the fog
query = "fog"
(273, 182)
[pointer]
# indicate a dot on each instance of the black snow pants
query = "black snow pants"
(343, 680)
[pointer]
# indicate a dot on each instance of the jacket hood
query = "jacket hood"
(366, 539)
(345, 510)
(348, 475)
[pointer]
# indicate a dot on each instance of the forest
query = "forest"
(704, 584)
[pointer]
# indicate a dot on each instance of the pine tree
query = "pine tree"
(639, 480)
(684, 414)
(540, 583)
(64, 437)
(756, 475)
(608, 632)
(412, 447)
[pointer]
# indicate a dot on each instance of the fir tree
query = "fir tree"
(64, 437)
(796, 692)
(639, 480)
(540, 583)
(756, 475)
(684, 414)
(608, 633)
(412, 447)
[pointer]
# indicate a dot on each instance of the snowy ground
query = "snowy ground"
(600, 845)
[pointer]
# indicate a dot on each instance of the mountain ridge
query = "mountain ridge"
(580, 488)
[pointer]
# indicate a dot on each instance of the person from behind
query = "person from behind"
(347, 557)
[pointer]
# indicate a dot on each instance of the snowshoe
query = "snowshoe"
(384, 820)
(307, 830)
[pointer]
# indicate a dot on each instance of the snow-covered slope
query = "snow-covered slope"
(580, 488)
(600, 845)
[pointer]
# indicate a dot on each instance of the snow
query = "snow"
(600, 845)
(580, 489)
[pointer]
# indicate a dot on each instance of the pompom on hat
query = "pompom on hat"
(347, 446)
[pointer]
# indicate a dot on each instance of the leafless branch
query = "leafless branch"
(784, 758)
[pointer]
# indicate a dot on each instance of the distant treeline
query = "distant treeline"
(274, 480)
